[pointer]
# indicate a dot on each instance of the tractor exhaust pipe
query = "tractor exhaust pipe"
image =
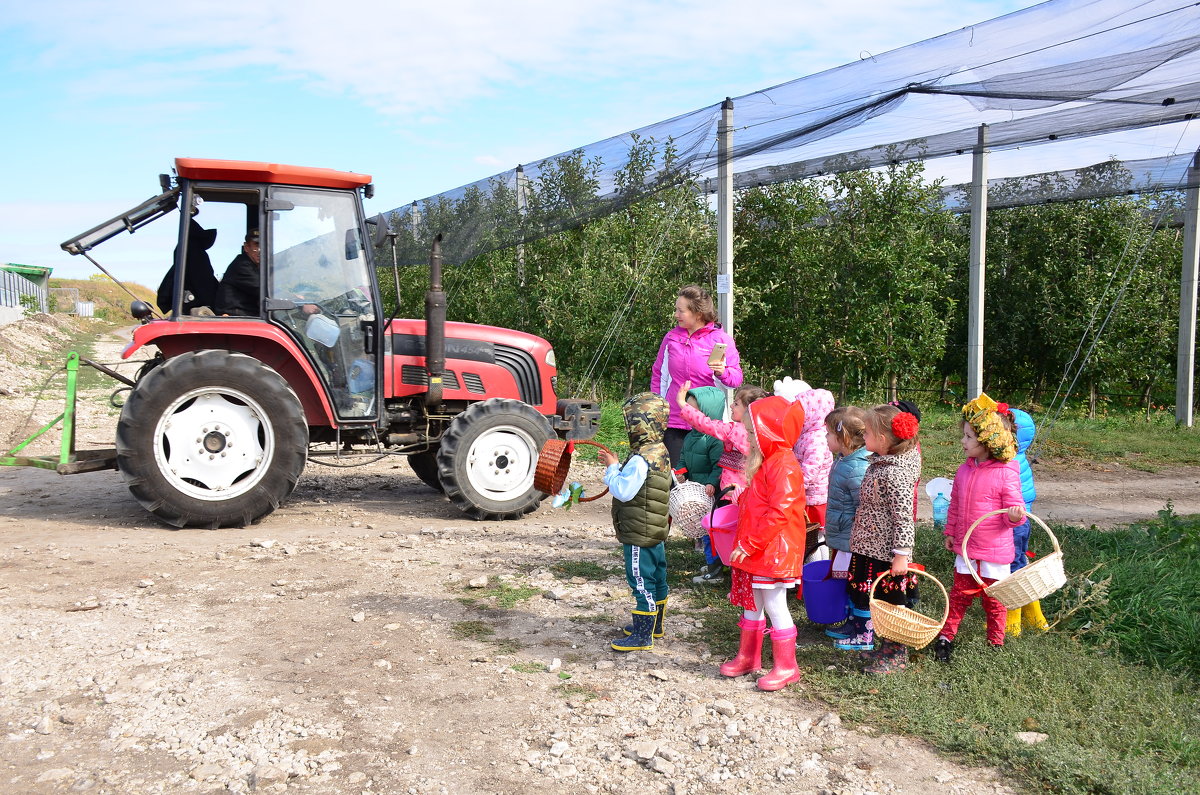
(435, 327)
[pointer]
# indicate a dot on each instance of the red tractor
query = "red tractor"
(219, 425)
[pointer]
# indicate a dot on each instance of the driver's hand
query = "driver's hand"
(310, 309)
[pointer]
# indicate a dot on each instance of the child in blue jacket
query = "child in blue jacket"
(1031, 614)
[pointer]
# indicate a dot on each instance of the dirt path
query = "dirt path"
(359, 640)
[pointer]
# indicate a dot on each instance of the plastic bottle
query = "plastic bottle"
(941, 506)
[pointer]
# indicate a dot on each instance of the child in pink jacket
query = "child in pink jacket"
(733, 459)
(988, 480)
(812, 451)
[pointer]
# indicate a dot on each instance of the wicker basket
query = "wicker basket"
(1037, 580)
(688, 504)
(903, 624)
(553, 464)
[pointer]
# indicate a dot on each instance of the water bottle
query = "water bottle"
(941, 506)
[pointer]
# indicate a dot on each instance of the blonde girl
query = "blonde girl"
(844, 435)
(988, 480)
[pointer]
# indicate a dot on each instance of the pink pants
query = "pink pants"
(962, 594)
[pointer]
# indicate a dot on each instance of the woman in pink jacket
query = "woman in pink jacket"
(988, 480)
(684, 356)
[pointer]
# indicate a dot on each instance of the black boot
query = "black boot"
(942, 649)
(658, 620)
(641, 638)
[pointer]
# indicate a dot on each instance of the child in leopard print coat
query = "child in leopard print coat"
(884, 532)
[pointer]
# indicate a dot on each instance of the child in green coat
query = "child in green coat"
(701, 453)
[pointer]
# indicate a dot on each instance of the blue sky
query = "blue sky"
(100, 97)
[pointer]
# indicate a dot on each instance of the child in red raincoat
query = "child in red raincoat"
(769, 556)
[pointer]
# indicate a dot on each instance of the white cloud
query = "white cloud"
(402, 58)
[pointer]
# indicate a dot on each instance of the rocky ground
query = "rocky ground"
(365, 638)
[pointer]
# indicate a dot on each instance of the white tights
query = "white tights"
(773, 602)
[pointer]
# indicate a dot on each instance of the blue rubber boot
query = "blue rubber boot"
(641, 639)
(658, 620)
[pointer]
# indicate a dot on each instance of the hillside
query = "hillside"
(112, 303)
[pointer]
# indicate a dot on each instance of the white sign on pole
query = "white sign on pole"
(723, 284)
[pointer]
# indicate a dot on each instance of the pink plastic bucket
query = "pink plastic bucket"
(721, 525)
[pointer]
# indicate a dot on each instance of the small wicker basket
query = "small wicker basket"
(554, 463)
(1037, 580)
(903, 624)
(688, 504)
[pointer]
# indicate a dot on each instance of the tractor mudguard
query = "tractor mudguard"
(268, 343)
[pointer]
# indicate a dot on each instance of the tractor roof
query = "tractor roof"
(275, 173)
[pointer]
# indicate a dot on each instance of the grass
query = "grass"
(483, 632)
(1115, 685)
(501, 595)
(1119, 438)
(529, 667)
(567, 569)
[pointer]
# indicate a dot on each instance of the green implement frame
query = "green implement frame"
(69, 461)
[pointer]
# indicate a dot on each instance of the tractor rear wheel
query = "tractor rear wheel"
(211, 439)
(488, 456)
(425, 466)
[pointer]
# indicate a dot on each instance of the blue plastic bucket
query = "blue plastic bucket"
(824, 596)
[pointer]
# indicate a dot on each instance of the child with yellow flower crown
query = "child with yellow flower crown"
(988, 480)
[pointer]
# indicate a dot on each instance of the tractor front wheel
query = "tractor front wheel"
(211, 439)
(488, 456)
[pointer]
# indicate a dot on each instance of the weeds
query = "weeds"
(529, 667)
(573, 690)
(472, 630)
(501, 594)
(566, 569)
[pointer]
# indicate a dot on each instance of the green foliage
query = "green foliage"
(30, 305)
(1134, 593)
(845, 278)
(856, 282)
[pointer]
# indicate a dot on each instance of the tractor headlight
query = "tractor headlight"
(550, 360)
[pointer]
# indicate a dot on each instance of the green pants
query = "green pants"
(646, 573)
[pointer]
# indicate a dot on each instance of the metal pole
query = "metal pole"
(725, 217)
(1185, 366)
(975, 289)
(522, 208)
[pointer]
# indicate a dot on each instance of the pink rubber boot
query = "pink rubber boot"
(749, 656)
(784, 671)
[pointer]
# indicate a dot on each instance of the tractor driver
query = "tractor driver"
(239, 290)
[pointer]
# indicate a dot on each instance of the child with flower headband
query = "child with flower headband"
(883, 534)
(987, 481)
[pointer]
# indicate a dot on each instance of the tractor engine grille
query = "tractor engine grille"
(473, 383)
(520, 363)
(415, 375)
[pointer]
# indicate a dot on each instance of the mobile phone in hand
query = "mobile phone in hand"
(718, 354)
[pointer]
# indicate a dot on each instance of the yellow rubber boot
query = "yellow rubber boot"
(1012, 627)
(1032, 614)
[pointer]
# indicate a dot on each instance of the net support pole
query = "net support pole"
(1185, 366)
(725, 217)
(976, 283)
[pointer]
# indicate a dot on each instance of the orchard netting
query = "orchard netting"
(1068, 89)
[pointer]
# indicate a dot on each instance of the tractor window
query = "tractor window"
(317, 263)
